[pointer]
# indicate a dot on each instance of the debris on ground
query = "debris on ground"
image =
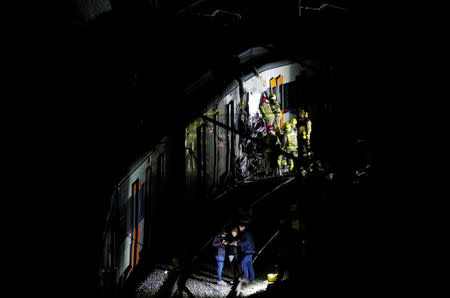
(154, 281)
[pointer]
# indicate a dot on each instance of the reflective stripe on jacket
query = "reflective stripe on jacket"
(275, 107)
(266, 111)
(292, 140)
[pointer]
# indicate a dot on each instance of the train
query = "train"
(146, 198)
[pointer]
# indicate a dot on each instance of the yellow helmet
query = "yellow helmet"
(302, 111)
(294, 122)
(287, 127)
(272, 96)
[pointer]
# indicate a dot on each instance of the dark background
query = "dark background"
(75, 150)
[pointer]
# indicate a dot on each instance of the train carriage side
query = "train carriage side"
(142, 199)
(211, 145)
(279, 78)
(145, 198)
(212, 149)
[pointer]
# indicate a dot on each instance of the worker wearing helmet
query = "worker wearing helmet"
(293, 123)
(289, 145)
(266, 111)
(305, 144)
(304, 132)
(304, 123)
(276, 110)
(272, 142)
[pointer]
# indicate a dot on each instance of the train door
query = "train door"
(160, 177)
(137, 221)
(201, 159)
(277, 88)
(147, 207)
(230, 136)
(216, 167)
(280, 92)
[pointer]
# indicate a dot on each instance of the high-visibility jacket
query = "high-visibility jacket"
(290, 140)
(275, 106)
(266, 111)
(305, 125)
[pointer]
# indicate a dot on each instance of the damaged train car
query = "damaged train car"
(218, 150)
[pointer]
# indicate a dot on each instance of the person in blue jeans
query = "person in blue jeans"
(219, 243)
(247, 246)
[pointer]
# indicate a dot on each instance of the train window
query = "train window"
(161, 171)
(280, 92)
(201, 158)
(280, 80)
(135, 208)
(216, 172)
(273, 83)
(231, 113)
(276, 87)
(148, 175)
(291, 96)
(230, 134)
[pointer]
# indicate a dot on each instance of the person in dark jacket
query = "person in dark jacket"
(219, 243)
(247, 246)
(232, 253)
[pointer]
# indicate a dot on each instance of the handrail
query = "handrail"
(224, 126)
(176, 285)
(190, 6)
(274, 148)
(324, 6)
(232, 13)
(269, 193)
(267, 243)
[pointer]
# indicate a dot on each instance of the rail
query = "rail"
(177, 286)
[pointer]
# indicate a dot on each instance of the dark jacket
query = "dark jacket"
(247, 243)
(217, 243)
(231, 249)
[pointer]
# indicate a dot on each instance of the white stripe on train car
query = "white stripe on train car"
(125, 249)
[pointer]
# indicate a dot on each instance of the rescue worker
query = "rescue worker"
(282, 160)
(266, 111)
(304, 131)
(276, 110)
(305, 145)
(293, 240)
(293, 123)
(289, 145)
(271, 141)
(304, 123)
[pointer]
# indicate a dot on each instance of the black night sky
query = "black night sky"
(107, 100)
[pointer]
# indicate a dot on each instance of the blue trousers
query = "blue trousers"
(220, 262)
(247, 267)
